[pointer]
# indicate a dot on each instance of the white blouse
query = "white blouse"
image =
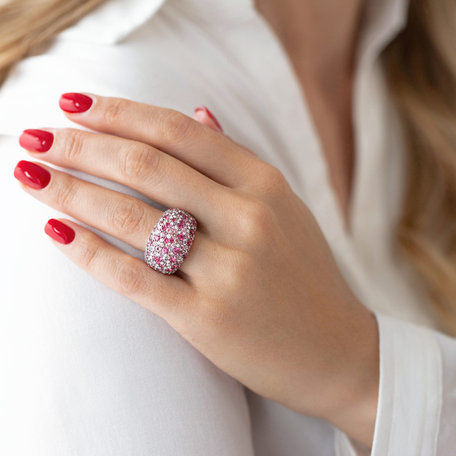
(87, 372)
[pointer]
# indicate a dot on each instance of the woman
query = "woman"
(284, 329)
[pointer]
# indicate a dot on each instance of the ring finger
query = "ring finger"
(115, 213)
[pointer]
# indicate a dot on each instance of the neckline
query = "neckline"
(380, 24)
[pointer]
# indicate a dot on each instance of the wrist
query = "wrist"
(354, 407)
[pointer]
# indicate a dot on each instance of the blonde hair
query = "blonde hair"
(420, 68)
(25, 25)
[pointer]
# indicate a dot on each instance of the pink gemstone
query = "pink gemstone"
(174, 219)
(181, 236)
(172, 260)
(165, 250)
(157, 259)
(170, 240)
(181, 225)
(176, 250)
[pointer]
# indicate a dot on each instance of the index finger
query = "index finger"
(171, 131)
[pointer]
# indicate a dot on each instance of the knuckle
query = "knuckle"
(257, 221)
(138, 162)
(272, 181)
(127, 278)
(173, 126)
(88, 254)
(127, 215)
(114, 110)
(65, 194)
(72, 141)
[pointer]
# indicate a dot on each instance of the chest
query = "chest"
(332, 116)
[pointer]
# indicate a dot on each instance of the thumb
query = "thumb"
(204, 116)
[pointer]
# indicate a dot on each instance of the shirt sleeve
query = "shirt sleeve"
(416, 411)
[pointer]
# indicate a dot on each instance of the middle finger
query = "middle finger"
(157, 175)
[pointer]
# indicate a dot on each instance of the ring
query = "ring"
(170, 241)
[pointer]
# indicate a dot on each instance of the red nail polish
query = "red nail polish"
(31, 174)
(75, 102)
(59, 231)
(209, 113)
(36, 140)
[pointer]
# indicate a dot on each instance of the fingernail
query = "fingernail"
(209, 113)
(36, 140)
(58, 231)
(31, 174)
(75, 102)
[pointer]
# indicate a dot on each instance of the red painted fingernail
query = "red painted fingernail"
(58, 231)
(36, 140)
(31, 174)
(209, 113)
(75, 102)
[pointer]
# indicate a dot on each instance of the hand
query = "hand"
(259, 294)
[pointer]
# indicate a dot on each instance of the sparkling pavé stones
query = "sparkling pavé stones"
(170, 241)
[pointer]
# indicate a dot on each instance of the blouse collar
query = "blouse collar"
(114, 20)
